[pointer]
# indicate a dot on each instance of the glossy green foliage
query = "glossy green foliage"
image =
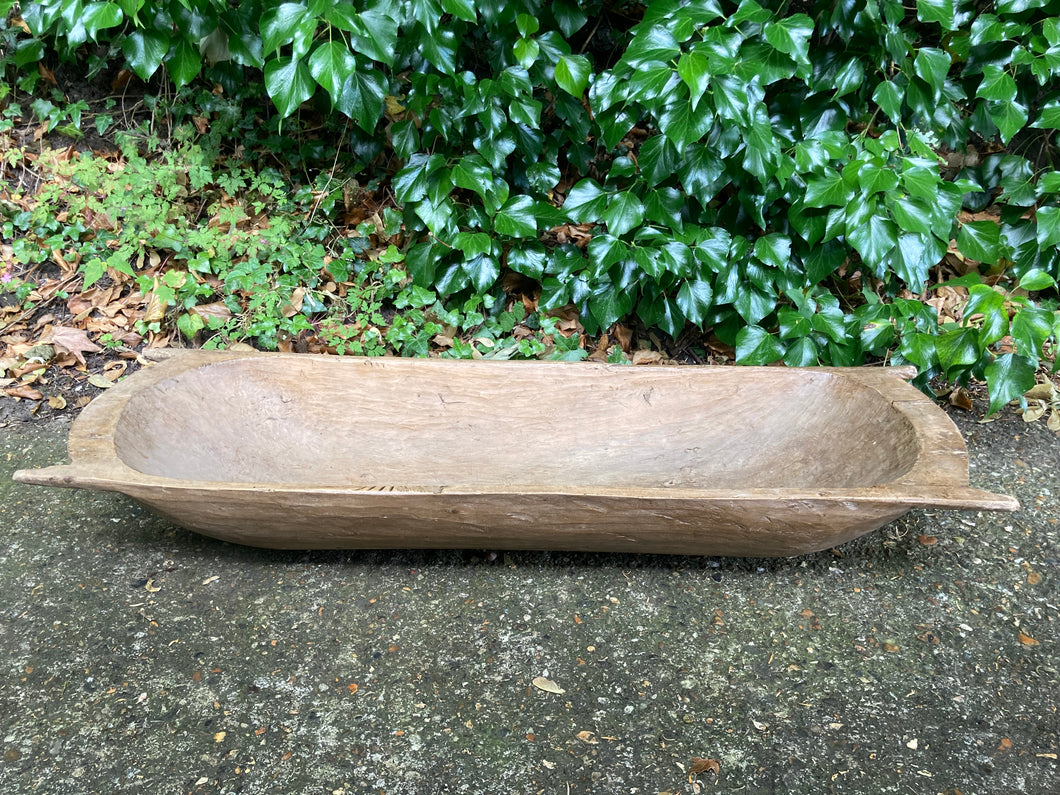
(786, 176)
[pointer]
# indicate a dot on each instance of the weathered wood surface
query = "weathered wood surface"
(296, 451)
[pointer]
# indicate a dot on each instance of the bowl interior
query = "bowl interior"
(318, 421)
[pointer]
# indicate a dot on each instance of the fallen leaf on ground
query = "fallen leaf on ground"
(588, 737)
(541, 683)
(647, 357)
(57, 402)
(1027, 640)
(215, 310)
(1035, 410)
(959, 397)
(927, 541)
(73, 340)
(101, 381)
(24, 392)
(701, 765)
(1044, 391)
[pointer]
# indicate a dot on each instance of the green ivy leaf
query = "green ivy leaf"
(990, 304)
(731, 100)
(184, 62)
(569, 16)
(694, 299)
(604, 251)
(375, 35)
(482, 271)
(516, 218)
(997, 84)
(332, 65)
(526, 52)
(932, 65)
(874, 179)
(1036, 279)
(828, 190)
(608, 305)
(1010, 118)
(529, 259)
(921, 178)
(665, 207)
(694, 69)
(586, 202)
(527, 25)
(461, 9)
(473, 243)
(658, 159)
(624, 212)
(412, 182)
(791, 35)
(654, 44)
(957, 349)
(100, 16)
(912, 215)
(913, 258)
(1009, 376)
(421, 262)
(287, 23)
(755, 345)
(362, 96)
(473, 173)
(656, 309)
(979, 240)
(439, 47)
(873, 239)
(774, 250)
(572, 74)
(889, 97)
(1049, 116)
(144, 51)
(802, 353)
(944, 12)
(1030, 328)
(683, 125)
(1048, 231)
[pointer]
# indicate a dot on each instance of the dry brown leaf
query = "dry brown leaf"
(1053, 423)
(156, 307)
(294, 306)
(1027, 640)
(57, 402)
(100, 380)
(647, 357)
(1046, 391)
(1035, 410)
(541, 683)
(24, 392)
(1033, 578)
(961, 399)
(701, 765)
(588, 737)
(215, 310)
(927, 541)
(73, 340)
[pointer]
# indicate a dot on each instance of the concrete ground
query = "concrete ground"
(138, 657)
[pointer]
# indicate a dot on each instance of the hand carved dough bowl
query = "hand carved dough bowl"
(301, 452)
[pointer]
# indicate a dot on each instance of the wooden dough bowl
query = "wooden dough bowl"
(317, 452)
